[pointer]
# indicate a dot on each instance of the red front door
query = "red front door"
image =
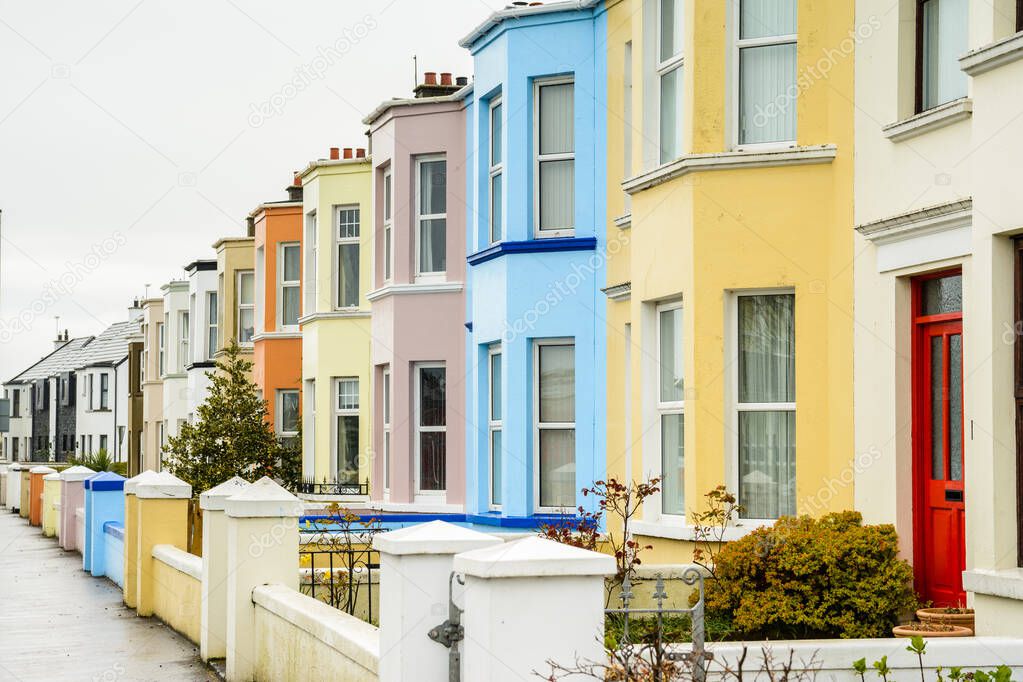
(939, 504)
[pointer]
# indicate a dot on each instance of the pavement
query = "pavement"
(57, 622)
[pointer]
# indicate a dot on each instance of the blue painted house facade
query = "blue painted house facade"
(535, 389)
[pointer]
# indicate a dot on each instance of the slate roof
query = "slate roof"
(110, 347)
(64, 359)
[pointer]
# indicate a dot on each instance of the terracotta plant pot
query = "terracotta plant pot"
(916, 630)
(965, 619)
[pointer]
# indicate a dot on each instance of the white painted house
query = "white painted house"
(939, 295)
(176, 355)
(203, 331)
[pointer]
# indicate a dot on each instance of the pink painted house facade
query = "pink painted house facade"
(418, 298)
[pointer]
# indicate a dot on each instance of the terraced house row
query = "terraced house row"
(765, 244)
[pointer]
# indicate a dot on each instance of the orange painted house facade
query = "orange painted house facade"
(277, 343)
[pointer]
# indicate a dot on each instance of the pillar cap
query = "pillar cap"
(215, 497)
(533, 557)
(132, 483)
(76, 473)
(15, 466)
(52, 477)
(264, 499)
(164, 486)
(42, 469)
(104, 481)
(435, 537)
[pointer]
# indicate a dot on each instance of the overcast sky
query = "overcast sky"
(133, 134)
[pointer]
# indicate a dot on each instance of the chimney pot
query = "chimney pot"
(335, 153)
(462, 81)
(348, 152)
(445, 78)
(430, 78)
(296, 181)
(360, 153)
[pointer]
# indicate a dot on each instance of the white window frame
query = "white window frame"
(496, 169)
(539, 158)
(212, 324)
(385, 393)
(338, 411)
(538, 425)
(279, 411)
(104, 391)
(340, 241)
(145, 355)
(283, 284)
(428, 276)
(663, 68)
(161, 348)
(89, 403)
(309, 264)
(735, 407)
(418, 429)
(244, 306)
(663, 408)
(184, 332)
(735, 9)
(494, 425)
(388, 219)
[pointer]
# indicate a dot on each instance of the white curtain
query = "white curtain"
(557, 194)
(767, 349)
(290, 305)
(762, 18)
(767, 464)
(557, 468)
(557, 112)
(767, 73)
(945, 38)
(432, 245)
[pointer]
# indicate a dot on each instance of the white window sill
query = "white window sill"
(1007, 582)
(675, 530)
(624, 222)
(420, 287)
(932, 119)
(334, 315)
(753, 158)
(993, 55)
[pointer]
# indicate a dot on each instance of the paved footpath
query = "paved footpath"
(59, 623)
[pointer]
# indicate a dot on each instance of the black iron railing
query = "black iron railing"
(342, 576)
(334, 488)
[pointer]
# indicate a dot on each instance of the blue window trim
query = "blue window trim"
(533, 246)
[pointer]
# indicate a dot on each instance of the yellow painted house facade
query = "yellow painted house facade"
(236, 290)
(730, 278)
(337, 275)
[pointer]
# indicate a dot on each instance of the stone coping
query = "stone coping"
(264, 499)
(104, 481)
(434, 537)
(114, 529)
(42, 469)
(215, 498)
(179, 559)
(163, 486)
(533, 557)
(52, 477)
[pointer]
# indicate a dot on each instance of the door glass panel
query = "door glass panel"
(937, 409)
(955, 407)
(942, 295)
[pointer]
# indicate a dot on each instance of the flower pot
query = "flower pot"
(965, 619)
(921, 630)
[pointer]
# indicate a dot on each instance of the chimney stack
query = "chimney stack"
(430, 87)
(250, 227)
(294, 190)
(335, 153)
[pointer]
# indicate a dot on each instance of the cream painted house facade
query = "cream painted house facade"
(337, 270)
(938, 273)
(153, 428)
(236, 294)
(176, 343)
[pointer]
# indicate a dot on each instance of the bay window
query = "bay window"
(554, 424)
(670, 388)
(669, 75)
(942, 37)
(347, 259)
(496, 171)
(766, 59)
(554, 169)
(388, 224)
(346, 429)
(496, 423)
(212, 325)
(387, 427)
(431, 427)
(765, 404)
(246, 307)
(431, 216)
(289, 286)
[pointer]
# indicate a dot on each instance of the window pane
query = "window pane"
(955, 407)
(767, 349)
(292, 267)
(942, 295)
(495, 387)
(671, 29)
(496, 134)
(347, 449)
(671, 114)
(557, 468)
(495, 466)
(432, 245)
(348, 222)
(432, 461)
(945, 25)
(433, 187)
(557, 194)
(246, 284)
(387, 196)
(761, 18)
(387, 252)
(557, 125)
(937, 408)
(496, 217)
(767, 464)
(670, 342)
(348, 277)
(348, 394)
(557, 384)
(290, 306)
(289, 411)
(672, 464)
(432, 387)
(767, 103)
(387, 399)
(246, 326)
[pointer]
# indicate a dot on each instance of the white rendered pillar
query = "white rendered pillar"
(213, 631)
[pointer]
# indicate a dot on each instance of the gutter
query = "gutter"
(499, 16)
(459, 94)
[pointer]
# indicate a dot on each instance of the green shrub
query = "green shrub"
(806, 577)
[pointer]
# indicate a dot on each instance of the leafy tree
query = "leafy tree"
(231, 435)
